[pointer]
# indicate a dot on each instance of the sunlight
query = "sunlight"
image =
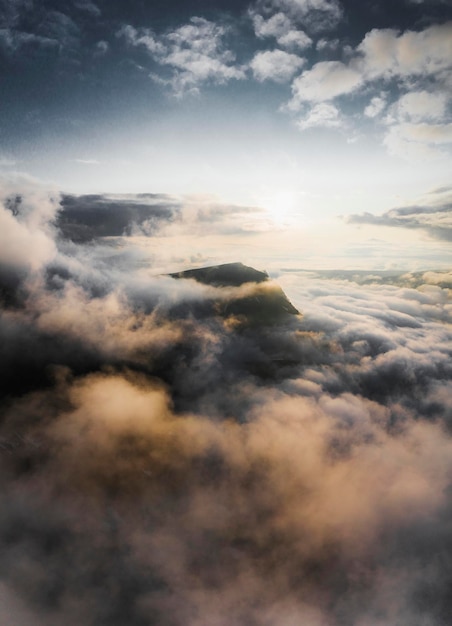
(282, 206)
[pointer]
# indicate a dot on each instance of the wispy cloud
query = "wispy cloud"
(87, 161)
(274, 16)
(89, 7)
(47, 29)
(435, 217)
(324, 115)
(376, 106)
(280, 27)
(195, 52)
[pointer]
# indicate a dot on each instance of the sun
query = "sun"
(282, 206)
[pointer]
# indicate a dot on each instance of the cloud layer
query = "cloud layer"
(168, 457)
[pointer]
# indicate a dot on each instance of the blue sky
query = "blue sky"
(309, 109)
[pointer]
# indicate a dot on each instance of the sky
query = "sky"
(225, 313)
(320, 112)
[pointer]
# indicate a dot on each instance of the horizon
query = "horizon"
(226, 313)
(319, 118)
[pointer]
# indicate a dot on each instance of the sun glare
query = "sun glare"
(282, 206)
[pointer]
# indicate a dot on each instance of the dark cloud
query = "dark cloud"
(27, 26)
(89, 7)
(435, 219)
(84, 218)
(11, 11)
(88, 217)
(190, 450)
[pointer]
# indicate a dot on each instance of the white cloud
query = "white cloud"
(412, 132)
(295, 39)
(381, 54)
(324, 114)
(324, 81)
(87, 161)
(428, 133)
(287, 20)
(144, 37)
(327, 44)
(282, 29)
(195, 52)
(386, 53)
(317, 14)
(418, 141)
(275, 65)
(421, 105)
(275, 26)
(375, 106)
(417, 124)
(26, 236)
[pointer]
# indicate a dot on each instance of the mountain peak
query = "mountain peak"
(224, 275)
(261, 304)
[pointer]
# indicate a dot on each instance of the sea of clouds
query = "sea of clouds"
(165, 460)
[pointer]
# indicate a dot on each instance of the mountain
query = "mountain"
(225, 275)
(241, 292)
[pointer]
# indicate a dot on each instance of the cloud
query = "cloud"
(88, 7)
(388, 53)
(381, 54)
(321, 115)
(315, 15)
(417, 64)
(412, 132)
(171, 454)
(421, 105)
(26, 238)
(275, 65)
(49, 30)
(102, 47)
(13, 41)
(435, 218)
(427, 133)
(282, 29)
(87, 161)
(327, 44)
(144, 37)
(60, 27)
(12, 10)
(86, 217)
(324, 81)
(418, 141)
(195, 52)
(376, 106)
